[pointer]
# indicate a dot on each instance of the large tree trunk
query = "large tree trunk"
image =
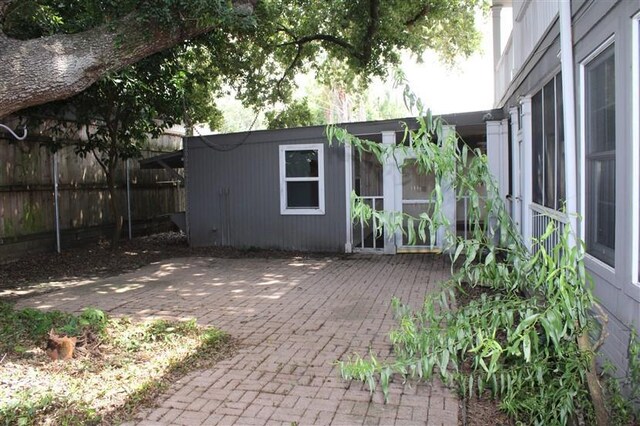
(51, 68)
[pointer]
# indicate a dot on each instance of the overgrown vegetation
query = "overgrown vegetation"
(119, 365)
(624, 392)
(527, 345)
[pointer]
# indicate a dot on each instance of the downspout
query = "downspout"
(568, 89)
(569, 117)
(55, 200)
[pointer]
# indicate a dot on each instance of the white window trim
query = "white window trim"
(284, 210)
(604, 270)
(635, 148)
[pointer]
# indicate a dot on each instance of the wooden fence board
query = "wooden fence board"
(27, 191)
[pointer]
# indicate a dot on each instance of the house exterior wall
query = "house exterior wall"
(531, 21)
(594, 23)
(233, 185)
(617, 288)
(233, 196)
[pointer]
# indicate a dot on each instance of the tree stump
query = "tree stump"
(60, 347)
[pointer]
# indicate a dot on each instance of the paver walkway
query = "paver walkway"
(294, 318)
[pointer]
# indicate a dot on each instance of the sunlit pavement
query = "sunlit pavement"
(294, 318)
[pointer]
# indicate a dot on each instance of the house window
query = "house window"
(600, 138)
(548, 145)
(302, 179)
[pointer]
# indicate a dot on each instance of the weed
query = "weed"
(137, 360)
(23, 328)
(624, 392)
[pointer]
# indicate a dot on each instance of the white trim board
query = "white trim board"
(635, 149)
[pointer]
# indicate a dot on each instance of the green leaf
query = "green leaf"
(444, 361)
(526, 347)
(384, 382)
(489, 259)
(458, 252)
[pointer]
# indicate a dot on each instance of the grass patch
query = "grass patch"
(119, 364)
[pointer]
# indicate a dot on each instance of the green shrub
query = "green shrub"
(525, 345)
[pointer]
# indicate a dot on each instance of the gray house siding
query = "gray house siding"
(617, 289)
(233, 195)
(233, 185)
(595, 22)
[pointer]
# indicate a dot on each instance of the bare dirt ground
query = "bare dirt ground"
(99, 260)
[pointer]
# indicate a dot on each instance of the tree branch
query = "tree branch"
(291, 66)
(322, 37)
(51, 68)
(363, 54)
(604, 321)
(418, 16)
(93, 151)
(4, 4)
(372, 29)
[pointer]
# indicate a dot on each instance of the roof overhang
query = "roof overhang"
(172, 160)
(169, 161)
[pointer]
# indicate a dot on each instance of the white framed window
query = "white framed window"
(302, 179)
(599, 121)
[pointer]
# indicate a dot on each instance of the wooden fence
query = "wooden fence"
(27, 208)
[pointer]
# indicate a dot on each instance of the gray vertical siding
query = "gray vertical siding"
(593, 23)
(247, 166)
(234, 197)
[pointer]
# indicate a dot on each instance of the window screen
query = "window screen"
(600, 133)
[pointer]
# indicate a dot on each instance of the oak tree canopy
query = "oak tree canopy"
(53, 49)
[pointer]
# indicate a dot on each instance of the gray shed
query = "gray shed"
(289, 189)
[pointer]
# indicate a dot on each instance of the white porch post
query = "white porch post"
(348, 187)
(498, 158)
(498, 154)
(526, 170)
(516, 190)
(496, 10)
(390, 175)
(448, 202)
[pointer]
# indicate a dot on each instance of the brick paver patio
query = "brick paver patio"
(294, 318)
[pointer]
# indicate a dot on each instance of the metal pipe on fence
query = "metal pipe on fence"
(128, 197)
(55, 200)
